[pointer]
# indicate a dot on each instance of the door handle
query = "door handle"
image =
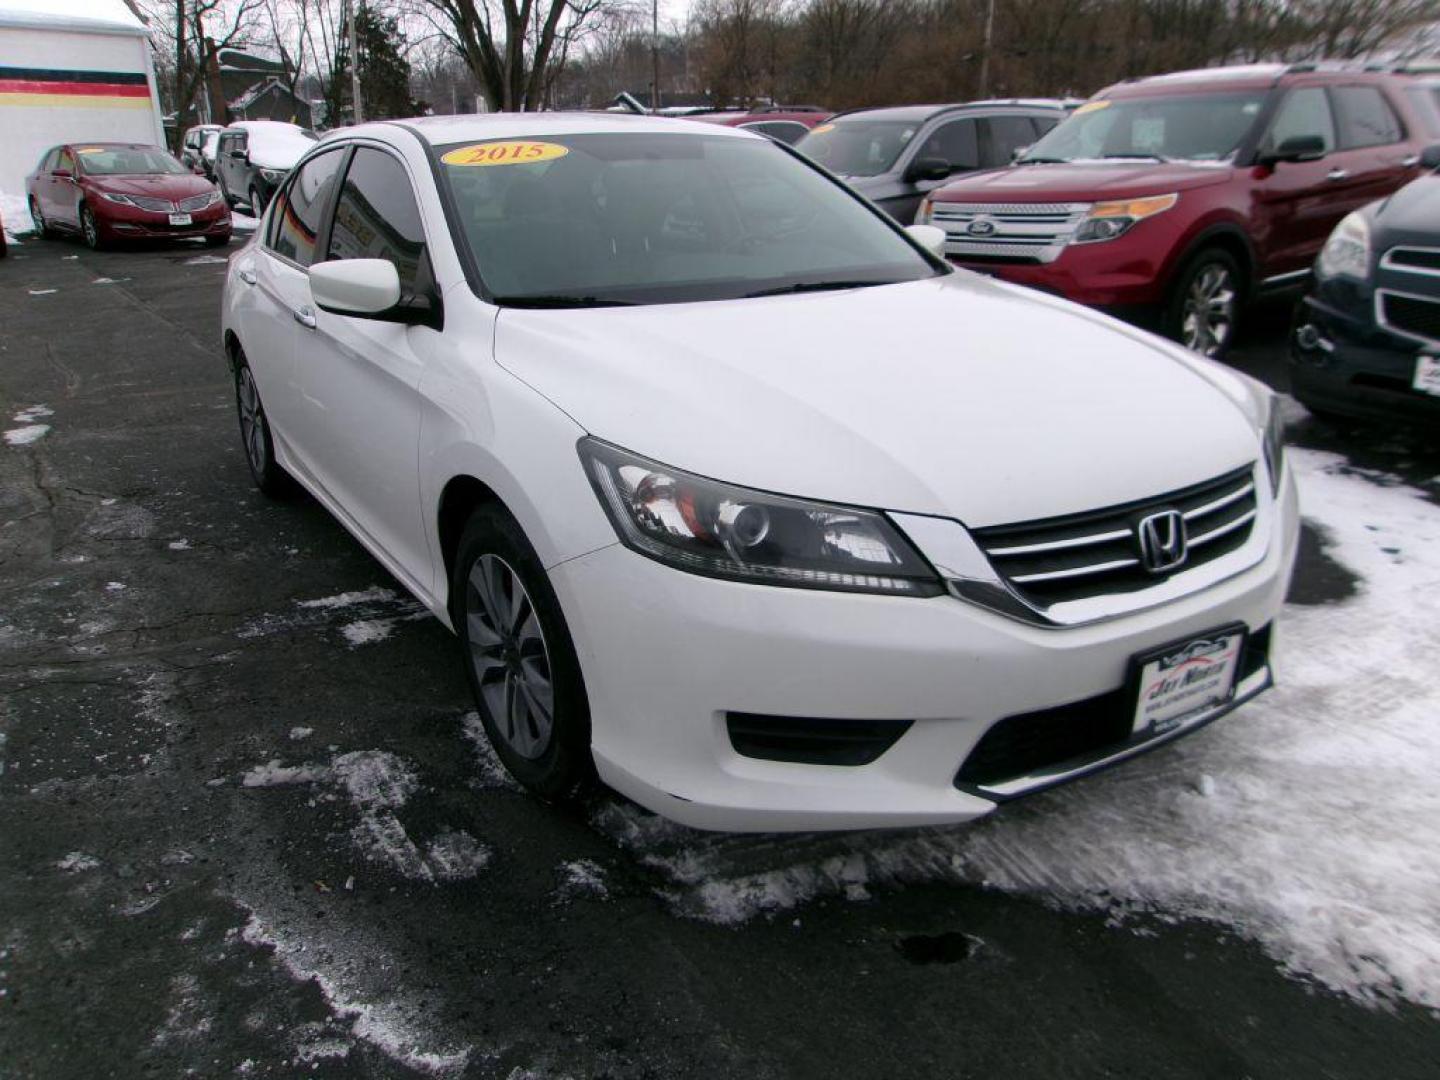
(305, 316)
(1410, 162)
(1338, 174)
(247, 275)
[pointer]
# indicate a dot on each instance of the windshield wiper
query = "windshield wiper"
(1044, 161)
(1137, 157)
(819, 286)
(559, 300)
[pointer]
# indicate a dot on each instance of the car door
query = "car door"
(1379, 159)
(234, 163)
(358, 377)
(273, 274)
(65, 190)
(44, 178)
(956, 142)
(1296, 200)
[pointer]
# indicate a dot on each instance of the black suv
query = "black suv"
(894, 156)
(254, 157)
(1366, 341)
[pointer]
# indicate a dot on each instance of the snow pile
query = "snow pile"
(77, 862)
(582, 877)
(1308, 820)
(373, 615)
(29, 431)
(15, 215)
(367, 631)
(373, 595)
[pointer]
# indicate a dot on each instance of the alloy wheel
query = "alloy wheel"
(252, 421)
(510, 657)
(1208, 317)
(88, 227)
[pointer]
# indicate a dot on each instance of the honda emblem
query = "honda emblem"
(1163, 542)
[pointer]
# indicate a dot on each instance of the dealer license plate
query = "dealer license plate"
(179, 219)
(1180, 680)
(1427, 375)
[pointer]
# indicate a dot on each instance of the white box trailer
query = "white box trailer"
(71, 71)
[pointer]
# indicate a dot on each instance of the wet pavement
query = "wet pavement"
(246, 828)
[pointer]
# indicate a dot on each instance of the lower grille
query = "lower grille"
(1007, 232)
(1098, 553)
(1033, 742)
(812, 740)
(1413, 315)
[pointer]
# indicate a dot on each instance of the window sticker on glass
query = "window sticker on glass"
(821, 129)
(513, 152)
(1091, 106)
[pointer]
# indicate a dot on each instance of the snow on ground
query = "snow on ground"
(15, 213)
(1308, 821)
(242, 223)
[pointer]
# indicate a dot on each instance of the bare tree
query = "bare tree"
(511, 46)
(192, 33)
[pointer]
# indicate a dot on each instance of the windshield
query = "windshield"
(661, 218)
(212, 139)
(1191, 127)
(127, 161)
(858, 147)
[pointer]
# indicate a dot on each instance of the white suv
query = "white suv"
(736, 494)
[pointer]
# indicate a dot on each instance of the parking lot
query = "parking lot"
(251, 827)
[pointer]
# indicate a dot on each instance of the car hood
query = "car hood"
(1410, 215)
(955, 396)
(1083, 181)
(164, 186)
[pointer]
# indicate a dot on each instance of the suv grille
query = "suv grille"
(150, 202)
(1097, 553)
(1010, 232)
(1408, 258)
(1412, 315)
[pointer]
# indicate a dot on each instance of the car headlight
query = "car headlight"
(1347, 252)
(1274, 438)
(272, 175)
(720, 530)
(1107, 220)
(123, 200)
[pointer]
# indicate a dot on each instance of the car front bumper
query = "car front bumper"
(131, 223)
(1345, 364)
(667, 655)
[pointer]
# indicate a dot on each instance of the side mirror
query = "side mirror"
(1430, 156)
(1296, 149)
(930, 237)
(355, 286)
(927, 168)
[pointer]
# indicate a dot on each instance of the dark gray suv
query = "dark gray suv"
(894, 156)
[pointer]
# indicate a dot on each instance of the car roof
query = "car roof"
(1241, 77)
(442, 130)
(925, 112)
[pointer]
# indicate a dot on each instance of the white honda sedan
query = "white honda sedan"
(735, 494)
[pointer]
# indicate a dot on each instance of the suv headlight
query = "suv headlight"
(720, 530)
(1347, 252)
(1107, 220)
(1274, 439)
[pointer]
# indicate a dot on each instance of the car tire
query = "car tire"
(255, 436)
(90, 229)
(257, 204)
(37, 216)
(217, 241)
(1204, 306)
(519, 658)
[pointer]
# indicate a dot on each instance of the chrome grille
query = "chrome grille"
(1097, 553)
(150, 202)
(197, 202)
(1021, 232)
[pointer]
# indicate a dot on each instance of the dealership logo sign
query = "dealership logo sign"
(1163, 542)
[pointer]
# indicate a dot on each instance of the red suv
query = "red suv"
(1182, 196)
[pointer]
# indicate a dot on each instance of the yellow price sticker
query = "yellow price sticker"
(510, 152)
(92, 150)
(821, 129)
(1091, 106)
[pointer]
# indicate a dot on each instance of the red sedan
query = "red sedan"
(109, 192)
(787, 125)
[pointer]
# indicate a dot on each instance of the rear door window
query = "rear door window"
(1365, 118)
(376, 217)
(296, 219)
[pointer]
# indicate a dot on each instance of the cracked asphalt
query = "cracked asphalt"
(244, 832)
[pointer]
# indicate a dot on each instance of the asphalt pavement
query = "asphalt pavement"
(245, 829)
